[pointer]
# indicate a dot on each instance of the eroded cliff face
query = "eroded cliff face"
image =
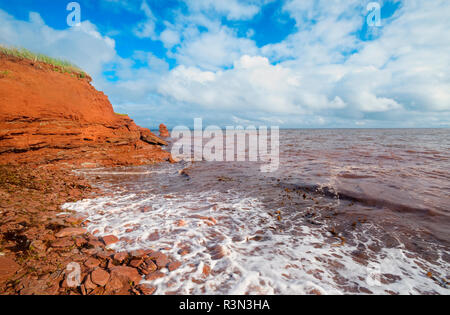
(47, 116)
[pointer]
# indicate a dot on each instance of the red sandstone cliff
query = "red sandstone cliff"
(47, 116)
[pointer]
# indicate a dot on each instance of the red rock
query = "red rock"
(153, 237)
(184, 250)
(174, 265)
(96, 243)
(138, 253)
(66, 242)
(120, 257)
(146, 209)
(163, 132)
(65, 120)
(161, 259)
(147, 289)
(154, 275)
(149, 137)
(103, 255)
(110, 239)
(135, 263)
(88, 284)
(80, 242)
(71, 232)
(75, 220)
(114, 285)
(100, 277)
(126, 273)
(181, 223)
(151, 266)
(8, 267)
(206, 270)
(92, 263)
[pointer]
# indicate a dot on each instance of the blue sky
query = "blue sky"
(292, 63)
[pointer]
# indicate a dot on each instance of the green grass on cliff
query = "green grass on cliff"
(59, 64)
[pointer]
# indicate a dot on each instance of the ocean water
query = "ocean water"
(348, 211)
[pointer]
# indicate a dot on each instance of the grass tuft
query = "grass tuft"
(4, 73)
(60, 65)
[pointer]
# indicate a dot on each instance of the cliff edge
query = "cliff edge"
(52, 116)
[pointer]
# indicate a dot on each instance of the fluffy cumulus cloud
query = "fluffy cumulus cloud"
(332, 70)
(83, 45)
(326, 73)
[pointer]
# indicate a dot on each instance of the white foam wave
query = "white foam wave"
(247, 252)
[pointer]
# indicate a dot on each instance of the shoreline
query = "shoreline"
(38, 239)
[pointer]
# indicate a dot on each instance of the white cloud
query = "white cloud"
(82, 45)
(402, 73)
(146, 29)
(170, 38)
(324, 74)
(232, 9)
(214, 50)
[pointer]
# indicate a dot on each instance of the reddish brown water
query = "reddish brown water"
(348, 211)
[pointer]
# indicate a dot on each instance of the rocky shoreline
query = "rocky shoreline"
(38, 240)
(52, 122)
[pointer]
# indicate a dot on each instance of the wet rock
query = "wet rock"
(71, 232)
(126, 273)
(153, 237)
(110, 239)
(147, 289)
(174, 265)
(95, 243)
(161, 259)
(120, 257)
(103, 255)
(135, 263)
(138, 253)
(154, 275)
(150, 266)
(100, 277)
(206, 270)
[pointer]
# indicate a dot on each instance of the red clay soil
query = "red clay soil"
(51, 123)
(47, 116)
